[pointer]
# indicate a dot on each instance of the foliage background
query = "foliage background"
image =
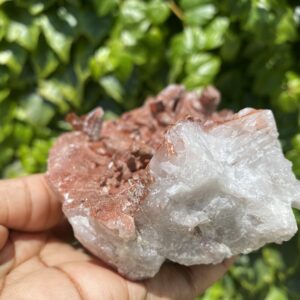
(72, 55)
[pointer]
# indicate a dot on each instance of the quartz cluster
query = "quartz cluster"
(174, 180)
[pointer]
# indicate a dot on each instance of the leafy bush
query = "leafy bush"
(71, 55)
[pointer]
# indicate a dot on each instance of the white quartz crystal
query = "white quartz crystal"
(219, 189)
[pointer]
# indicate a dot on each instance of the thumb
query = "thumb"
(28, 204)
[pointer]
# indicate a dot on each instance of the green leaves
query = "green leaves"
(157, 11)
(200, 15)
(215, 32)
(276, 294)
(24, 31)
(13, 57)
(33, 110)
(34, 7)
(289, 97)
(44, 60)
(105, 6)
(112, 87)
(58, 34)
(202, 69)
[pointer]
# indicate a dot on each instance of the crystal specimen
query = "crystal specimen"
(174, 180)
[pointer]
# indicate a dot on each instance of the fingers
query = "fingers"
(179, 282)
(202, 277)
(7, 259)
(28, 204)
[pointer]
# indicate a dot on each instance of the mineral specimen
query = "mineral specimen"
(174, 180)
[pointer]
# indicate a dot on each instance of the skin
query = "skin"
(38, 261)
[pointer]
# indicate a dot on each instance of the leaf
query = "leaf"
(200, 14)
(102, 62)
(157, 11)
(296, 142)
(15, 169)
(67, 16)
(53, 91)
(193, 39)
(22, 134)
(288, 99)
(112, 87)
(93, 27)
(34, 111)
(35, 7)
(6, 156)
(286, 30)
(215, 292)
(59, 35)
(3, 1)
(122, 60)
(44, 60)
(26, 158)
(188, 4)
(131, 37)
(82, 55)
(215, 32)
(12, 56)
(4, 93)
(276, 294)
(201, 70)
(63, 89)
(22, 28)
(75, 3)
(104, 7)
(133, 11)
(3, 24)
(264, 274)
(4, 75)
(231, 46)
(23, 34)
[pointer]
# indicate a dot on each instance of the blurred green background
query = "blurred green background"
(58, 56)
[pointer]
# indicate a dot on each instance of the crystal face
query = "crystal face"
(177, 182)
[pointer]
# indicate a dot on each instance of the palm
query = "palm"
(43, 266)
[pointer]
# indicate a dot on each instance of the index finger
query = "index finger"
(27, 203)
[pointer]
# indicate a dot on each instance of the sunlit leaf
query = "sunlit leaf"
(188, 4)
(104, 7)
(112, 87)
(93, 27)
(4, 93)
(201, 69)
(157, 11)
(35, 111)
(215, 32)
(59, 35)
(44, 60)
(53, 92)
(286, 28)
(35, 6)
(133, 11)
(200, 14)
(276, 294)
(12, 56)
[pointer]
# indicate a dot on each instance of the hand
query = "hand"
(35, 263)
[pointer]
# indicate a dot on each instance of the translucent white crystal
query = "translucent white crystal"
(218, 190)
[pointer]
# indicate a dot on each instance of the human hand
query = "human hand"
(38, 262)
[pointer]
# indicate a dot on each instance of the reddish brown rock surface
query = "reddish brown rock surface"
(174, 180)
(108, 160)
